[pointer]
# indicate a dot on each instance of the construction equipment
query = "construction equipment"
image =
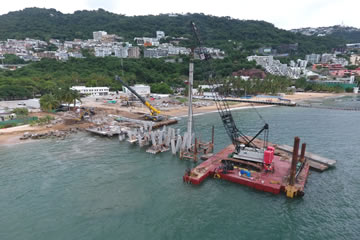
(245, 149)
(154, 113)
(85, 113)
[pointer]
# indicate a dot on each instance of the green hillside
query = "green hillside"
(237, 37)
(215, 31)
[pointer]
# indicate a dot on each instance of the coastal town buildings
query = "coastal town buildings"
(101, 45)
(99, 35)
(275, 67)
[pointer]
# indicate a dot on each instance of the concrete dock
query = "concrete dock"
(316, 162)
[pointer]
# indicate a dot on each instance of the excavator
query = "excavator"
(245, 149)
(154, 113)
(85, 113)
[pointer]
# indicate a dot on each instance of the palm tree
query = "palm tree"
(200, 91)
(75, 95)
(48, 102)
(64, 95)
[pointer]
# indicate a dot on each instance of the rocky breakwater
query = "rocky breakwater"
(61, 134)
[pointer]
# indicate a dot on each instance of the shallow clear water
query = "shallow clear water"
(88, 187)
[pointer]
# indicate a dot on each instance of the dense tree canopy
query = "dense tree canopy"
(215, 31)
(48, 75)
(238, 38)
(12, 59)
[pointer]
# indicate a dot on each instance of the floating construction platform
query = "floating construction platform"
(268, 181)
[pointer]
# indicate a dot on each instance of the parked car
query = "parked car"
(62, 108)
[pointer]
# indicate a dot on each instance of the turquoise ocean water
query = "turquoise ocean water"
(88, 187)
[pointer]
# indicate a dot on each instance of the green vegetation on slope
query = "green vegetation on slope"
(237, 38)
(215, 31)
(48, 75)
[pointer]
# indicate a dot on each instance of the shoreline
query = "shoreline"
(11, 136)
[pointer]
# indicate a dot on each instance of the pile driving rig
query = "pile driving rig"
(245, 149)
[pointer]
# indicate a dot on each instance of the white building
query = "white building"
(326, 57)
(98, 35)
(94, 91)
(209, 87)
(103, 51)
(76, 55)
(341, 61)
(145, 41)
(63, 56)
(206, 95)
(355, 59)
(353, 45)
(155, 53)
(121, 52)
(160, 34)
(142, 90)
(275, 67)
(313, 58)
(174, 50)
(302, 63)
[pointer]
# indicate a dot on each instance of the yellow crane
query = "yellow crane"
(154, 113)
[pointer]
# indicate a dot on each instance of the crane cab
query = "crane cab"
(250, 154)
(155, 118)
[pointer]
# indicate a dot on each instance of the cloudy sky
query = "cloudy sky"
(286, 14)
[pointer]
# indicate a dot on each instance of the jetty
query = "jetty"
(279, 102)
(119, 125)
(343, 108)
(274, 101)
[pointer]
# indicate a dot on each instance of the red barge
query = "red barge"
(286, 176)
